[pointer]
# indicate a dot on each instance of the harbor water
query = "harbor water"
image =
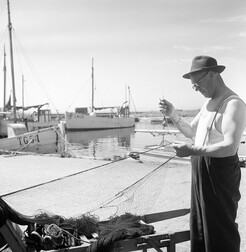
(111, 143)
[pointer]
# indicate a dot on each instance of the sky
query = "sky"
(146, 45)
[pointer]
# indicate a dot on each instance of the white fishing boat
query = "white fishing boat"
(76, 121)
(99, 117)
(13, 130)
(40, 118)
(42, 141)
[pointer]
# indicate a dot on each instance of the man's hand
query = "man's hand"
(168, 109)
(184, 150)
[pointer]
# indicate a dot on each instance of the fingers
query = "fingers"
(165, 106)
(163, 101)
(182, 150)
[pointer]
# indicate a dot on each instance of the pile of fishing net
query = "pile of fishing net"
(62, 233)
(47, 231)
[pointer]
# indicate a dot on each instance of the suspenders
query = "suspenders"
(214, 114)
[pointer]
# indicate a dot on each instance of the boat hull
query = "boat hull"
(41, 141)
(31, 126)
(76, 121)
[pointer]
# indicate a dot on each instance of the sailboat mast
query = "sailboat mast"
(4, 81)
(92, 91)
(12, 62)
(23, 115)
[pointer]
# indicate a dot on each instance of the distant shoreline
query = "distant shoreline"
(183, 113)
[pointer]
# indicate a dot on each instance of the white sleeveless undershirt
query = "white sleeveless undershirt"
(206, 133)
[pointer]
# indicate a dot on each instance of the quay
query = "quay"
(74, 186)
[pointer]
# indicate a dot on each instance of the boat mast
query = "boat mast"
(4, 81)
(92, 91)
(23, 97)
(12, 62)
(129, 96)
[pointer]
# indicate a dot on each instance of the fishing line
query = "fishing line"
(131, 154)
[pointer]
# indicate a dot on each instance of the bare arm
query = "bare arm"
(185, 128)
(232, 125)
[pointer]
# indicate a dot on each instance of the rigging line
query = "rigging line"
(120, 193)
(2, 9)
(77, 94)
(18, 55)
(4, 36)
(133, 103)
(32, 68)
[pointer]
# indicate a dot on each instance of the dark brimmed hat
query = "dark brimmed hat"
(204, 63)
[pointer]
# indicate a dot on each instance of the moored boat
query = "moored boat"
(78, 121)
(44, 141)
(108, 118)
(42, 118)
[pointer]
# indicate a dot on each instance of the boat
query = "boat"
(40, 118)
(164, 121)
(43, 141)
(99, 118)
(13, 130)
(77, 121)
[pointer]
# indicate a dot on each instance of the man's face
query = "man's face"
(200, 83)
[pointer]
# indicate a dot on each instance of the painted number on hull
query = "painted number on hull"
(28, 139)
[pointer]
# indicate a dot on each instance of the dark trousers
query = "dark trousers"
(214, 202)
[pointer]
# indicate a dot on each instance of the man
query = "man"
(217, 131)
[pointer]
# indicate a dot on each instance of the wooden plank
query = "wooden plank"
(179, 237)
(142, 243)
(12, 238)
(155, 217)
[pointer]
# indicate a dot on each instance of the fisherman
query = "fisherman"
(217, 131)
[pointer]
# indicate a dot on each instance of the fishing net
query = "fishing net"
(123, 187)
(130, 183)
(115, 187)
(46, 232)
(139, 197)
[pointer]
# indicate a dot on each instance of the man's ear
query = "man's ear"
(212, 74)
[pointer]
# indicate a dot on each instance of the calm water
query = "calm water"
(118, 142)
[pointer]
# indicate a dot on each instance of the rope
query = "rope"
(77, 173)
(54, 180)
(23, 147)
(28, 143)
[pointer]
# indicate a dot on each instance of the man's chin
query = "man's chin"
(205, 94)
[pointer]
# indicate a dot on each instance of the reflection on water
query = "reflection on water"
(101, 143)
(119, 142)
